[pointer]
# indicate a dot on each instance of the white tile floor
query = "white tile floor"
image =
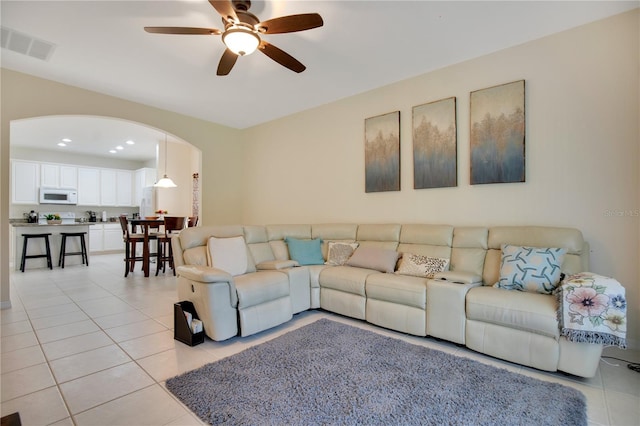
(86, 346)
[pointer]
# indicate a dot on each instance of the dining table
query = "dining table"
(145, 224)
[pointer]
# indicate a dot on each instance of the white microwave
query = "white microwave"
(58, 196)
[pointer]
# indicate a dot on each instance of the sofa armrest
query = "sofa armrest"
(458, 277)
(446, 309)
(276, 264)
(204, 274)
(207, 275)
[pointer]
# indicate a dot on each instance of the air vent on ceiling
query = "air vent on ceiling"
(26, 45)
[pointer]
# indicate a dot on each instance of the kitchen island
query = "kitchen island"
(37, 246)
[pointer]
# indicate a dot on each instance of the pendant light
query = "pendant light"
(165, 182)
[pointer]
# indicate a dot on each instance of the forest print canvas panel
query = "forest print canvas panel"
(382, 152)
(434, 145)
(498, 134)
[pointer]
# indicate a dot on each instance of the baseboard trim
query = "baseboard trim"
(5, 305)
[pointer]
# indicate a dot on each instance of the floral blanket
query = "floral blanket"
(592, 309)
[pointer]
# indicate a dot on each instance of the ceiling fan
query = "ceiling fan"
(242, 31)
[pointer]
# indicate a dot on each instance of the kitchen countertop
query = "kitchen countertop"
(22, 224)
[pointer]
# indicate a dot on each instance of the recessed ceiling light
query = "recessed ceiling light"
(119, 147)
(113, 151)
(130, 142)
(62, 144)
(66, 140)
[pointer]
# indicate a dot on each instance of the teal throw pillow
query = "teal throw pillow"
(305, 252)
(530, 269)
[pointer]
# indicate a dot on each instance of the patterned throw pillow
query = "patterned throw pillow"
(338, 253)
(530, 269)
(417, 265)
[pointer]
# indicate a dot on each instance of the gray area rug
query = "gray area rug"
(331, 373)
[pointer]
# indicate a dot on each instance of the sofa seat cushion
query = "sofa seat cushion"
(403, 290)
(531, 312)
(314, 274)
(346, 278)
(261, 287)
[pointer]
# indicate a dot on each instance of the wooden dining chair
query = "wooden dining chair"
(193, 221)
(130, 241)
(172, 226)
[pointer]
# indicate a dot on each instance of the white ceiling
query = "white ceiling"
(101, 46)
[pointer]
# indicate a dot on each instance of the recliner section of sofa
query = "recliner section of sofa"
(459, 305)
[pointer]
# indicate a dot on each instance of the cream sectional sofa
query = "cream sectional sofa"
(459, 305)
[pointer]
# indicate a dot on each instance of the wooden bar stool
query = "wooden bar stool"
(63, 248)
(172, 226)
(26, 238)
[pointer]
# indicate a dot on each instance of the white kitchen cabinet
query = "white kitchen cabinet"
(49, 175)
(95, 238)
(105, 237)
(88, 186)
(144, 177)
(25, 181)
(124, 188)
(58, 176)
(112, 237)
(68, 177)
(108, 184)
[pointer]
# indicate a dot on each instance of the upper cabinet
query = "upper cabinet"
(96, 186)
(116, 187)
(25, 179)
(124, 188)
(58, 176)
(88, 186)
(108, 182)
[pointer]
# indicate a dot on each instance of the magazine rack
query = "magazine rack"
(182, 331)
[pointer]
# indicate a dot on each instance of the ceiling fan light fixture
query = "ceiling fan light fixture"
(241, 41)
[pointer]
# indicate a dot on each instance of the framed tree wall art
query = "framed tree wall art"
(435, 145)
(498, 134)
(382, 152)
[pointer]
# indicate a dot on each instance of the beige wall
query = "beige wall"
(177, 201)
(582, 150)
(24, 96)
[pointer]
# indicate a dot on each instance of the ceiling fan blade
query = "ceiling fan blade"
(281, 57)
(291, 23)
(225, 9)
(182, 30)
(227, 62)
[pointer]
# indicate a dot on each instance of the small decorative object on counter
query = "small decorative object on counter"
(161, 213)
(53, 219)
(33, 217)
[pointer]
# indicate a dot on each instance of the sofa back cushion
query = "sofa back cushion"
(199, 235)
(280, 232)
(469, 249)
(334, 232)
(258, 243)
(384, 236)
(195, 256)
(426, 240)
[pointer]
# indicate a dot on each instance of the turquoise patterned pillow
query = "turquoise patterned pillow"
(531, 269)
